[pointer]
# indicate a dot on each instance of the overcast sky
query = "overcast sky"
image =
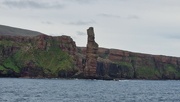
(146, 26)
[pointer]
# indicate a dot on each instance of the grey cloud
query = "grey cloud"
(82, 1)
(80, 33)
(31, 4)
(80, 22)
(133, 17)
(109, 15)
(172, 36)
(117, 16)
(47, 22)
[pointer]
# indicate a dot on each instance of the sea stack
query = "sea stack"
(91, 55)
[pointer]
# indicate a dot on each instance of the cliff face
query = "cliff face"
(38, 56)
(91, 55)
(47, 56)
(123, 64)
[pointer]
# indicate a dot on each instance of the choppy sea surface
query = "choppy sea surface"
(74, 90)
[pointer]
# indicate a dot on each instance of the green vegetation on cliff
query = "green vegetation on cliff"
(146, 72)
(17, 56)
(52, 60)
(2, 68)
(171, 70)
(125, 69)
(9, 63)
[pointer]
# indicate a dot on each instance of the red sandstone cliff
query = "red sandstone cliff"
(61, 58)
(124, 64)
(11, 48)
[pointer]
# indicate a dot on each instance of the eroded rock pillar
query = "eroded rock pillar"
(91, 54)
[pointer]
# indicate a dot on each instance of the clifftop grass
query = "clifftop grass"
(6, 30)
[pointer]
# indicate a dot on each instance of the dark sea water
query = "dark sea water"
(61, 90)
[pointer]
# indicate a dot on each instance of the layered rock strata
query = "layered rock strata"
(129, 65)
(91, 55)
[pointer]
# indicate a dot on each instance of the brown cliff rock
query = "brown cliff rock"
(10, 46)
(41, 41)
(91, 55)
(124, 64)
(67, 44)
